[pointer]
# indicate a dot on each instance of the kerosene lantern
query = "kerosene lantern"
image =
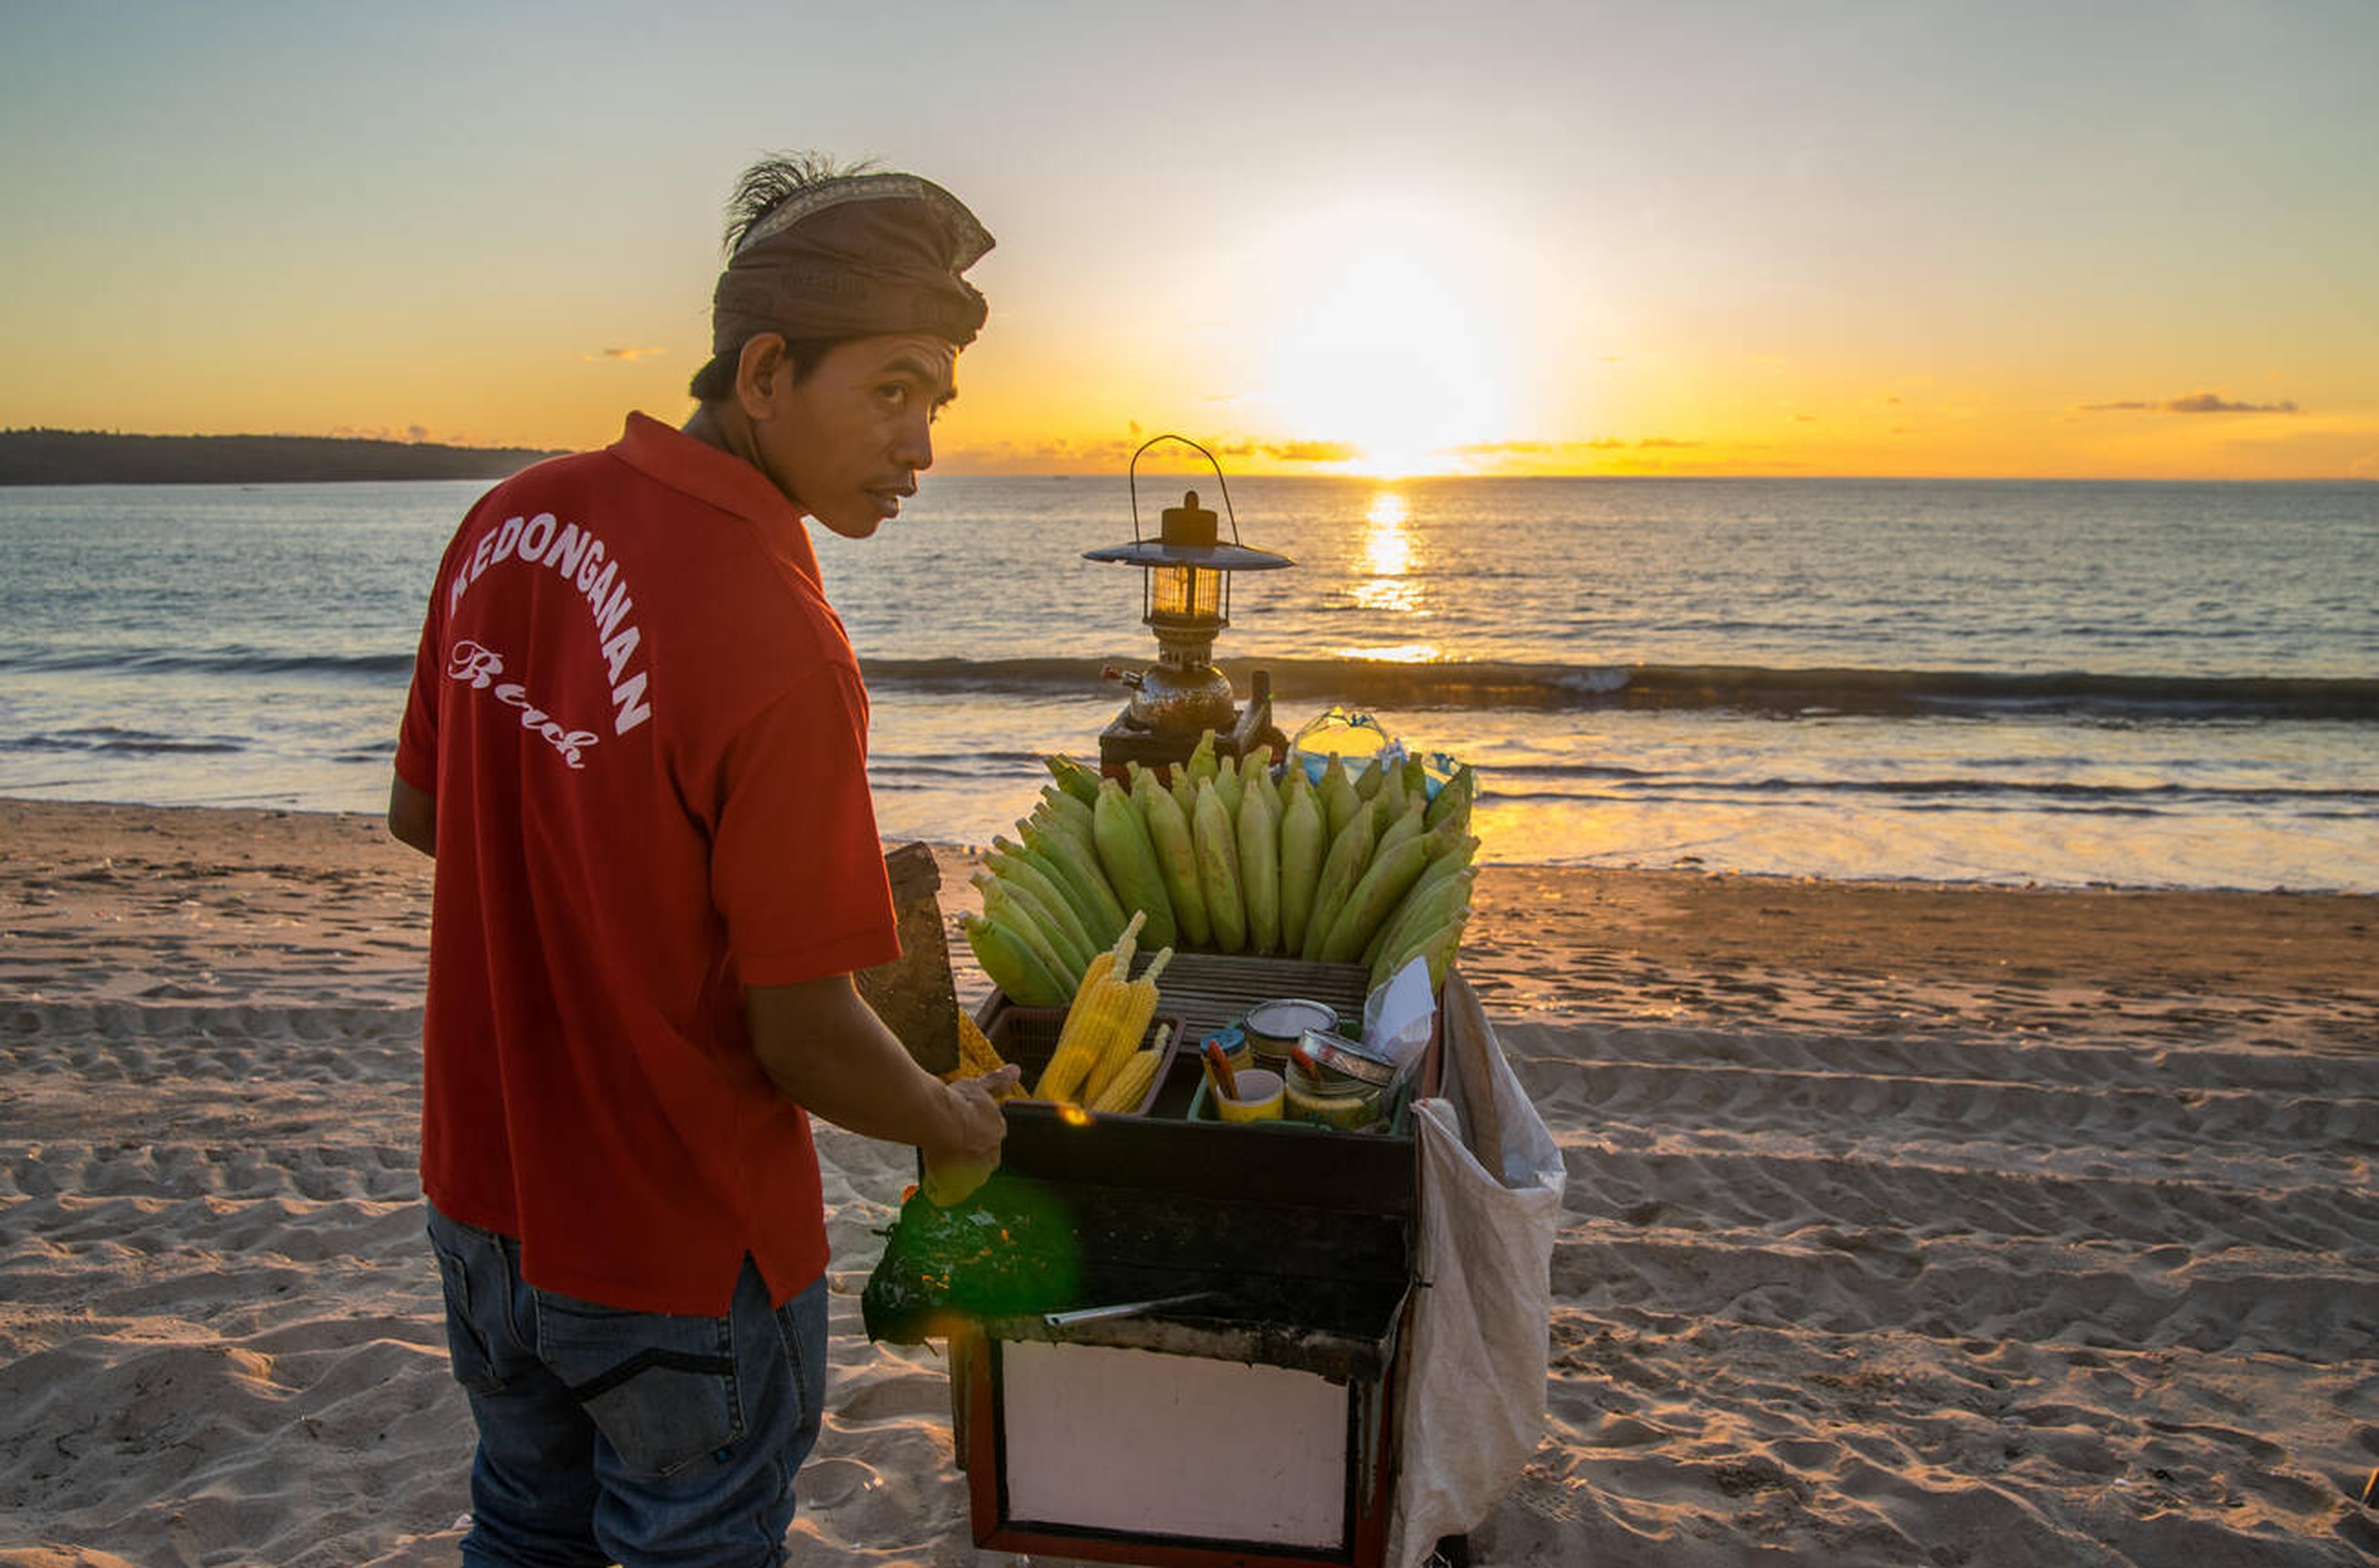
(1186, 601)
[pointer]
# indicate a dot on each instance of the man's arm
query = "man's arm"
(827, 1052)
(413, 816)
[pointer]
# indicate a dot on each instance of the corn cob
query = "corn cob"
(1389, 879)
(1438, 946)
(1350, 854)
(1130, 861)
(1258, 846)
(1176, 857)
(977, 1056)
(1218, 869)
(1006, 855)
(1184, 790)
(1230, 791)
(1202, 762)
(1301, 848)
(1010, 963)
(1095, 929)
(1337, 799)
(1076, 778)
(1130, 1086)
(1405, 824)
(1063, 805)
(1422, 911)
(1094, 898)
(1454, 797)
(1099, 1006)
(1124, 1033)
(1018, 871)
(1023, 914)
(1255, 773)
(1367, 783)
(1057, 825)
(1388, 804)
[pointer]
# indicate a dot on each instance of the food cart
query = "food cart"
(1185, 1341)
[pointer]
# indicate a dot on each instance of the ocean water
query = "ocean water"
(2061, 683)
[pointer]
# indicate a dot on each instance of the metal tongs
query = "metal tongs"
(1121, 1309)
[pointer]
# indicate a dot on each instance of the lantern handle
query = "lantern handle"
(1132, 476)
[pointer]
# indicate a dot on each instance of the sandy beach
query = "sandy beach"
(1906, 1225)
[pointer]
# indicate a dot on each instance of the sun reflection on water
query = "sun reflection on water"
(1393, 584)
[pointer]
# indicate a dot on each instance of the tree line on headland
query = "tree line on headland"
(96, 457)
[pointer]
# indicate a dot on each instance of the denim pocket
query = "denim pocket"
(660, 1387)
(466, 1342)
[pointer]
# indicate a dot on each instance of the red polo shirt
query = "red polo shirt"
(647, 738)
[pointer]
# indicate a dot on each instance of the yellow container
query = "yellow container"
(1261, 1094)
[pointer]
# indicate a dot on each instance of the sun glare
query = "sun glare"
(1387, 558)
(1385, 359)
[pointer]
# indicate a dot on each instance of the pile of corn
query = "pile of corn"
(1223, 858)
(1099, 1063)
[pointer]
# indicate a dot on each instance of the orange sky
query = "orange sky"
(2124, 240)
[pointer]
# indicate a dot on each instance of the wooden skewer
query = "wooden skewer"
(1219, 1065)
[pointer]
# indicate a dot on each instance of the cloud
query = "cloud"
(1664, 441)
(1313, 451)
(2195, 402)
(622, 354)
(1503, 449)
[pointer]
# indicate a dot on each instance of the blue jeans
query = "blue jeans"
(608, 1436)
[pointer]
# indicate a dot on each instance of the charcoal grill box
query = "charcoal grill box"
(1247, 1421)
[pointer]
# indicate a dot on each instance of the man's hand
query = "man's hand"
(827, 1052)
(955, 1170)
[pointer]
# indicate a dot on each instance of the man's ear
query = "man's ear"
(762, 372)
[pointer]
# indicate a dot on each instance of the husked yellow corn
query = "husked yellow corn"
(1104, 1025)
(978, 1056)
(1130, 1086)
(1125, 1032)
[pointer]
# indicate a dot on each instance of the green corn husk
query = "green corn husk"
(1078, 779)
(1259, 847)
(1176, 857)
(1010, 962)
(1454, 797)
(1426, 906)
(1130, 862)
(1302, 845)
(1019, 914)
(1203, 764)
(1013, 864)
(1350, 856)
(1103, 916)
(1390, 876)
(1338, 798)
(1218, 869)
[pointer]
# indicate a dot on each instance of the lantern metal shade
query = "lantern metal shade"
(1188, 584)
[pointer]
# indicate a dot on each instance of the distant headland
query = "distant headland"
(97, 457)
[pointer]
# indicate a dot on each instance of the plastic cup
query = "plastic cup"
(1261, 1093)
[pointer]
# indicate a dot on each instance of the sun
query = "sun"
(1389, 355)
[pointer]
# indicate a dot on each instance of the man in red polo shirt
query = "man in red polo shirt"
(637, 746)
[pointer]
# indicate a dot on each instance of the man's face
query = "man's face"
(848, 442)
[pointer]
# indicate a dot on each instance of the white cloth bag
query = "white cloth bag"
(1471, 1402)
